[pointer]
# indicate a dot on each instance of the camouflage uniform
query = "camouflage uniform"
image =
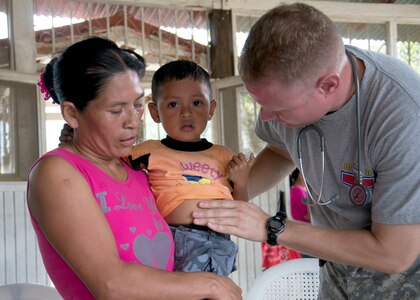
(348, 282)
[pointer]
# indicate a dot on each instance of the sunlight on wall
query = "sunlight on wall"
(3, 26)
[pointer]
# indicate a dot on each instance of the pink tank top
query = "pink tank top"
(298, 209)
(141, 234)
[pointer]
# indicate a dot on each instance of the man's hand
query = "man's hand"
(240, 218)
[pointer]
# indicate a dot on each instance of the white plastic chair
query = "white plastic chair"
(28, 291)
(293, 279)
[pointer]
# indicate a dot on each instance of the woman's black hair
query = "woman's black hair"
(293, 177)
(179, 70)
(81, 72)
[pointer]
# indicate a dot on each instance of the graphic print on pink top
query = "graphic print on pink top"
(141, 234)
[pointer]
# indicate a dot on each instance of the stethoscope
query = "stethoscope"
(359, 194)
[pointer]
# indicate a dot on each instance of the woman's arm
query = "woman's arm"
(62, 203)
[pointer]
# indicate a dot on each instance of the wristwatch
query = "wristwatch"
(275, 226)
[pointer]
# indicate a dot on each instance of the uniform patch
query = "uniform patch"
(347, 178)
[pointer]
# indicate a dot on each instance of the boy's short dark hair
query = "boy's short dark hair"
(179, 70)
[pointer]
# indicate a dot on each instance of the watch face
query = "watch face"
(275, 225)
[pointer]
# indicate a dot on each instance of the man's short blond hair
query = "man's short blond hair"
(291, 42)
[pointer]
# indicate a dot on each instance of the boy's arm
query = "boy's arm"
(66, 135)
(139, 163)
(139, 156)
(238, 172)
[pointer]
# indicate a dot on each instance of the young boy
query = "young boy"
(184, 168)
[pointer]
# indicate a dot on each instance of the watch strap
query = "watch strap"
(274, 231)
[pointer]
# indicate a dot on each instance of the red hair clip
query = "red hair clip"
(44, 90)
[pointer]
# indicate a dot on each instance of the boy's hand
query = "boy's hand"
(238, 171)
(66, 135)
(239, 167)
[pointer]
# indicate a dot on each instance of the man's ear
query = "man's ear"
(70, 114)
(213, 105)
(154, 113)
(329, 83)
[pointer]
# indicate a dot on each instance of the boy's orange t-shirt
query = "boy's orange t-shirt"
(177, 175)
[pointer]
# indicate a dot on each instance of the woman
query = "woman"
(98, 228)
(298, 208)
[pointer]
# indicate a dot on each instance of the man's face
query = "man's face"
(294, 105)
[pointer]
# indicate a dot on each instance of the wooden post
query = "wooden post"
(23, 95)
(222, 66)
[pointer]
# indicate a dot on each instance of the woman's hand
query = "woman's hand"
(240, 218)
(226, 289)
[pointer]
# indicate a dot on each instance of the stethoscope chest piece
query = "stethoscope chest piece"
(360, 195)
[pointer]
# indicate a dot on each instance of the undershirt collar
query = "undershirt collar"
(200, 145)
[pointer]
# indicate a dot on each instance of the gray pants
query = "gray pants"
(198, 248)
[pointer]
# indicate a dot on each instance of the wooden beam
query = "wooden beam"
(20, 77)
(392, 38)
(32, 78)
(170, 4)
(222, 43)
(222, 66)
(338, 11)
(23, 42)
(381, 10)
(383, 1)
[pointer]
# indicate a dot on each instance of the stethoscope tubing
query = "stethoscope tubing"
(358, 175)
(311, 201)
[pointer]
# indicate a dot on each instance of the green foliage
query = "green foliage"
(409, 52)
(249, 114)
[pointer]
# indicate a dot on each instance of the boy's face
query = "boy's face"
(184, 108)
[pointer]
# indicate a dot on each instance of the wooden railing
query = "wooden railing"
(20, 260)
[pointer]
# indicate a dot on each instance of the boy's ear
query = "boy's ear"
(70, 114)
(153, 110)
(212, 109)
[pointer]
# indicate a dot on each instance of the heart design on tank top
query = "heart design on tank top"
(153, 252)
